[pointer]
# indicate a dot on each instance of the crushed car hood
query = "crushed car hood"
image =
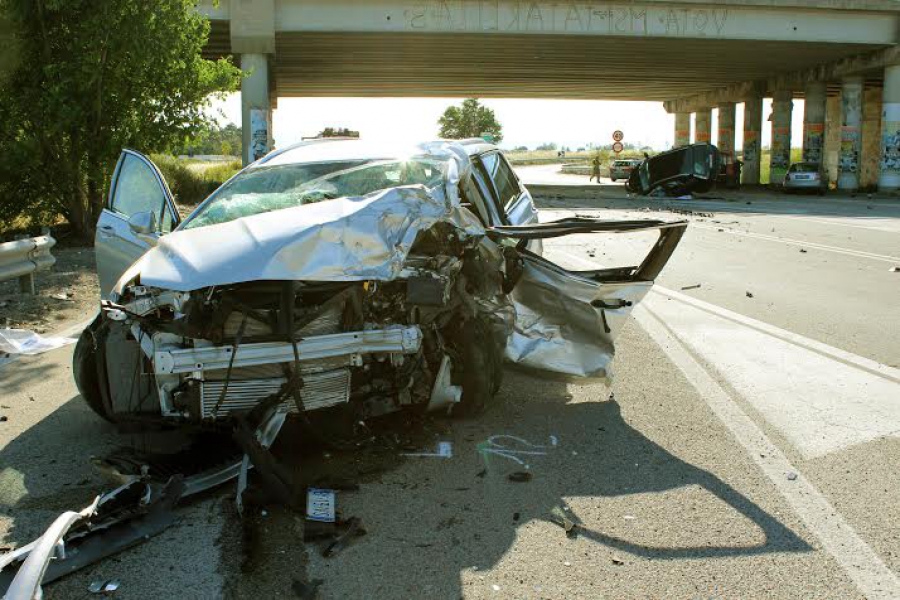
(348, 239)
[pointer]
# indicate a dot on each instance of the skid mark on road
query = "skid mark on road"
(870, 575)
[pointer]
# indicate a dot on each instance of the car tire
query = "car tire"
(613, 179)
(481, 366)
(84, 368)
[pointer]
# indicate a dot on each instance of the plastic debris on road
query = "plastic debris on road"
(444, 450)
(23, 341)
(106, 587)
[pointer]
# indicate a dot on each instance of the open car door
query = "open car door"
(140, 208)
(567, 320)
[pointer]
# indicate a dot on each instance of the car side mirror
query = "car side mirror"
(142, 223)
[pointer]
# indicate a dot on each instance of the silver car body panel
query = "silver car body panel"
(566, 323)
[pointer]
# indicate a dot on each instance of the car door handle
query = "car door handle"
(107, 230)
(613, 304)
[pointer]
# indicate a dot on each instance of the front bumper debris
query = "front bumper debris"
(350, 345)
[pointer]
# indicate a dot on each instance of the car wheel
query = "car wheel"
(84, 368)
(481, 363)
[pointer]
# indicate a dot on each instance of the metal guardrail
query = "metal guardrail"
(22, 258)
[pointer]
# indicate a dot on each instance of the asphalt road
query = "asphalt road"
(748, 446)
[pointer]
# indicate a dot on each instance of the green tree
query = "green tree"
(92, 78)
(470, 120)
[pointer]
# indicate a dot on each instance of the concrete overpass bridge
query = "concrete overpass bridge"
(841, 56)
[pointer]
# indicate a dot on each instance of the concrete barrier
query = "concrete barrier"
(22, 258)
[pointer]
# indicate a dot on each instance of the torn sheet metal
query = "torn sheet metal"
(345, 239)
(566, 323)
(117, 520)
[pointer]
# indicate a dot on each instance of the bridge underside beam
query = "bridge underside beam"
(525, 66)
(869, 64)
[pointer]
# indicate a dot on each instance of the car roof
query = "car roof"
(340, 149)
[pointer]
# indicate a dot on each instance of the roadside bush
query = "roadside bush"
(191, 183)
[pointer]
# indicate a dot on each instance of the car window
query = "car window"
(505, 180)
(138, 189)
(265, 189)
(480, 180)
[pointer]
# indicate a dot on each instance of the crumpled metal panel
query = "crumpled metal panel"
(558, 328)
(347, 239)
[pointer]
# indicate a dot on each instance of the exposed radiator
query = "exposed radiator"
(320, 390)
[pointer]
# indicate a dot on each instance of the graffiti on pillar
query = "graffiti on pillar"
(682, 137)
(726, 139)
(813, 142)
(890, 150)
(259, 133)
(751, 147)
(890, 137)
(781, 148)
(848, 160)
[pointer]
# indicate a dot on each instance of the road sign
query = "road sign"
(618, 136)
(618, 147)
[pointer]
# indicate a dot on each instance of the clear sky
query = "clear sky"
(572, 123)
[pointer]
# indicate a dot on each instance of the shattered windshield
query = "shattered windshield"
(265, 189)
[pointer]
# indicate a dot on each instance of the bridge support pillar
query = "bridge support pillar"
(682, 129)
(703, 126)
(889, 179)
(725, 139)
(780, 160)
(752, 140)
(851, 133)
(816, 96)
(256, 107)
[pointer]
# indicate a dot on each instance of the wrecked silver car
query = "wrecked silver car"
(339, 280)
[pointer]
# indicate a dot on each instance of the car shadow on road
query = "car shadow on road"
(447, 521)
(18, 375)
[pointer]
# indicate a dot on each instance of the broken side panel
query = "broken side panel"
(566, 322)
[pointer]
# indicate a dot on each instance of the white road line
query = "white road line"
(771, 238)
(843, 356)
(822, 398)
(871, 576)
(885, 224)
(820, 404)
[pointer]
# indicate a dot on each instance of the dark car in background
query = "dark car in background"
(678, 172)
